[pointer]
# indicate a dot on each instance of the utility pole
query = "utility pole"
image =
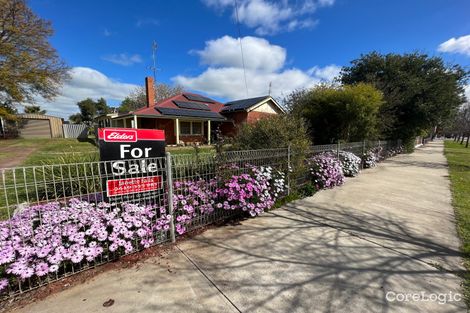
(270, 85)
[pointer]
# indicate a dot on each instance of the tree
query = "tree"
(460, 126)
(34, 109)
(420, 92)
(89, 109)
(29, 65)
(138, 99)
(335, 113)
(8, 111)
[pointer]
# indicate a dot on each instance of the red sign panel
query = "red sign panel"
(117, 135)
(130, 134)
(125, 186)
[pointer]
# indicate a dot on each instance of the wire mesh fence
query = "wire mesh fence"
(60, 219)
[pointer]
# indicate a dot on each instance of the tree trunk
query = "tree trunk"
(463, 137)
(468, 136)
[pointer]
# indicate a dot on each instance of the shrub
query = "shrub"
(44, 239)
(338, 112)
(350, 163)
(190, 199)
(369, 160)
(326, 171)
(248, 192)
(278, 131)
(307, 190)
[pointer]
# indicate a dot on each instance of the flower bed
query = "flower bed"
(46, 241)
(350, 163)
(326, 171)
(369, 160)
(192, 198)
(253, 192)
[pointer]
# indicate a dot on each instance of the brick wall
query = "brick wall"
(255, 116)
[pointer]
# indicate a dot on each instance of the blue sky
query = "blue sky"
(292, 44)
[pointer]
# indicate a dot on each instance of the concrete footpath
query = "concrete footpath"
(384, 237)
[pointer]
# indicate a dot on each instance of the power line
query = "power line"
(241, 46)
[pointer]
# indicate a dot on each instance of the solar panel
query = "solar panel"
(192, 105)
(197, 98)
(190, 113)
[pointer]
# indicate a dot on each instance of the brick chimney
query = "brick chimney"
(150, 91)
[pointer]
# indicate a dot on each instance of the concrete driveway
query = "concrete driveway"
(385, 236)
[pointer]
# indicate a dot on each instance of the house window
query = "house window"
(197, 128)
(185, 128)
(191, 128)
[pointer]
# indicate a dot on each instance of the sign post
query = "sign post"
(132, 170)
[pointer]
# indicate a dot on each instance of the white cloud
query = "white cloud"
(85, 83)
(270, 17)
(265, 64)
(260, 54)
(327, 73)
(123, 59)
(456, 45)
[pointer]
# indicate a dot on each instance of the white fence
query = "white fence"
(75, 130)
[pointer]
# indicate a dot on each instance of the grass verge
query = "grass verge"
(458, 158)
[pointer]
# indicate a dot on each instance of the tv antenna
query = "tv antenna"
(270, 85)
(154, 67)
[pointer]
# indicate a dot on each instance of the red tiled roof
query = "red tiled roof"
(168, 103)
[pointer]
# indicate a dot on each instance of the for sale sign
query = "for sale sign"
(131, 167)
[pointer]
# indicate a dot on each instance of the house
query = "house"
(193, 118)
(248, 111)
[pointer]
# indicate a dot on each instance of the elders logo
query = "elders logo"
(120, 136)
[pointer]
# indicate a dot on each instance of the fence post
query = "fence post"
(288, 169)
(169, 179)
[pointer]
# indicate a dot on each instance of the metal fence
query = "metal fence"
(60, 219)
(75, 130)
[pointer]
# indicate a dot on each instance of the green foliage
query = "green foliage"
(278, 131)
(284, 200)
(420, 92)
(8, 111)
(347, 113)
(307, 190)
(77, 174)
(33, 109)
(89, 109)
(29, 65)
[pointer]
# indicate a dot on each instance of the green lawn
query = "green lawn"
(458, 158)
(55, 150)
(71, 150)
